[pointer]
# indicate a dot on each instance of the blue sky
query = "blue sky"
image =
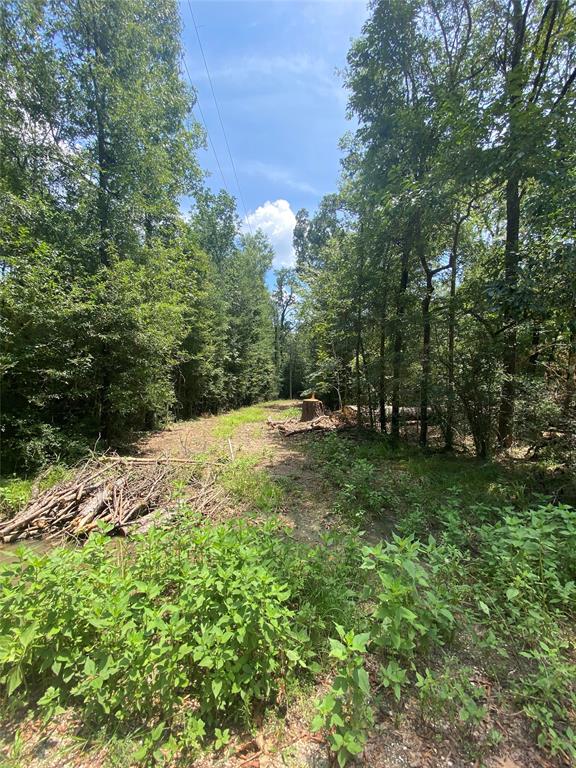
(273, 65)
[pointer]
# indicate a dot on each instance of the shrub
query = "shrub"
(345, 711)
(530, 557)
(410, 608)
(209, 617)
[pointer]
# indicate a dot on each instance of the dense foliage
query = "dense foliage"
(189, 628)
(442, 275)
(116, 310)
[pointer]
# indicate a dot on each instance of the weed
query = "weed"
(411, 610)
(218, 615)
(345, 713)
(252, 486)
(452, 695)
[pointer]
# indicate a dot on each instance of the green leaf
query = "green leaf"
(337, 649)
(363, 680)
(359, 642)
(317, 723)
(216, 688)
(14, 679)
(28, 636)
(484, 607)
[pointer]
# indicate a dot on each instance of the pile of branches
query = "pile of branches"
(289, 427)
(126, 494)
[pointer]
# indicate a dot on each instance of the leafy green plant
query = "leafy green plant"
(547, 693)
(221, 737)
(530, 557)
(393, 676)
(345, 713)
(451, 694)
(223, 615)
(357, 495)
(14, 493)
(410, 609)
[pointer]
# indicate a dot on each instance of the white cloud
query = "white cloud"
(248, 67)
(276, 219)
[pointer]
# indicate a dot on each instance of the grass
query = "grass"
(294, 412)
(251, 486)
(227, 424)
(489, 598)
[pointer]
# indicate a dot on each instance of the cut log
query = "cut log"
(311, 409)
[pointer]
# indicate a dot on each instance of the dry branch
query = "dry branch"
(128, 493)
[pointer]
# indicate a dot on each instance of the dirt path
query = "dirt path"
(306, 496)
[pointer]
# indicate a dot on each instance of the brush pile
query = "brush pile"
(129, 495)
(289, 427)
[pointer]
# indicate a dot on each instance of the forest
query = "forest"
(391, 583)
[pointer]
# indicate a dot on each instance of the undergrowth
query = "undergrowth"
(189, 630)
(183, 638)
(498, 579)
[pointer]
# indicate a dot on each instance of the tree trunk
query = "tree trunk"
(570, 372)
(311, 409)
(508, 393)
(399, 339)
(382, 371)
(534, 359)
(425, 380)
(359, 287)
(511, 248)
(358, 388)
(368, 389)
(451, 398)
(290, 366)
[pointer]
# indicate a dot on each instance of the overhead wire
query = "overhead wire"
(203, 120)
(241, 197)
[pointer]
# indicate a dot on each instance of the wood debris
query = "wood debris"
(294, 426)
(128, 494)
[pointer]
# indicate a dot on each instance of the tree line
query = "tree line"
(117, 310)
(442, 275)
(439, 280)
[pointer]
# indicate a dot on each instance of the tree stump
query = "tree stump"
(311, 408)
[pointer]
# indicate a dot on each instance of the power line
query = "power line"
(219, 116)
(210, 142)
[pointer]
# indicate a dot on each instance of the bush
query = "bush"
(207, 620)
(411, 609)
(345, 712)
(530, 557)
